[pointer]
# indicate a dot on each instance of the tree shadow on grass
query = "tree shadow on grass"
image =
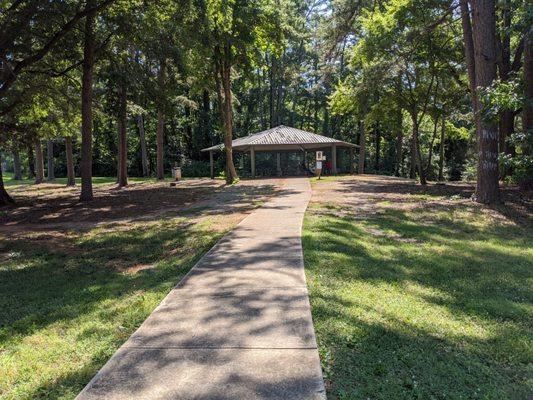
(517, 205)
(477, 273)
(137, 202)
(40, 286)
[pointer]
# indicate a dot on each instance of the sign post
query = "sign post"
(319, 158)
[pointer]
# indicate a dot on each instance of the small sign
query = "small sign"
(318, 169)
(319, 156)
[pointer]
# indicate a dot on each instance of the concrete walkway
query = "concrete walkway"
(238, 326)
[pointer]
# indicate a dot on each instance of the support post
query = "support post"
(278, 163)
(252, 159)
(351, 161)
(211, 165)
(334, 159)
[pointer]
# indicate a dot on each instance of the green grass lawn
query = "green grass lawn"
(67, 303)
(422, 301)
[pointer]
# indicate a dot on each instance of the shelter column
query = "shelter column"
(351, 160)
(212, 167)
(334, 159)
(252, 159)
(278, 163)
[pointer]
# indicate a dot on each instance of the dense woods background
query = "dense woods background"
(432, 89)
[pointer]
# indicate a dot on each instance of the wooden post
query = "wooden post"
(351, 160)
(252, 159)
(334, 159)
(278, 163)
(212, 167)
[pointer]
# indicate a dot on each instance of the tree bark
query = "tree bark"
(432, 144)
(50, 160)
(418, 154)
(412, 158)
(441, 149)
(225, 101)
(527, 116)
(271, 92)
(399, 144)
(39, 162)
(71, 180)
(362, 147)
(16, 166)
(377, 130)
(86, 107)
(142, 140)
(506, 120)
(5, 198)
(122, 139)
(469, 56)
(160, 123)
(484, 35)
(31, 162)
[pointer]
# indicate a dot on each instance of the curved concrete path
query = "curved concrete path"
(238, 325)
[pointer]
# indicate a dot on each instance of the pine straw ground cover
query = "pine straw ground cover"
(76, 280)
(419, 293)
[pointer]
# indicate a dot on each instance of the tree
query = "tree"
(232, 29)
(5, 198)
(86, 105)
(484, 38)
(45, 32)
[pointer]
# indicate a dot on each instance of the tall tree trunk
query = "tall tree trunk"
(418, 153)
(506, 120)
(189, 139)
(412, 158)
(16, 165)
(468, 40)
(31, 162)
(378, 148)
(399, 143)
(39, 162)
(427, 169)
(142, 140)
(86, 164)
(225, 100)
(261, 77)
(160, 123)
(362, 147)
(50, 160)
(5, 198)
(205, 120)
(528, 85)
(122, 139)
(441, 149)
(484, 34)
(527, 116)
(71, 179)
(271, 92)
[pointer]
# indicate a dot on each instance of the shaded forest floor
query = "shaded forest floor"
(418, 292)
(77, 279)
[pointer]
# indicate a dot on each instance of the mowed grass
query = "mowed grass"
(421, 302)
(68, 302)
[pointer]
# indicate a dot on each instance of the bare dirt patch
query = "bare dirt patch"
(54, 205)
(363, 196)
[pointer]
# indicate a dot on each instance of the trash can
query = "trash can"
(176, 173)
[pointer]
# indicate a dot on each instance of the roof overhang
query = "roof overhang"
(296, 140)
